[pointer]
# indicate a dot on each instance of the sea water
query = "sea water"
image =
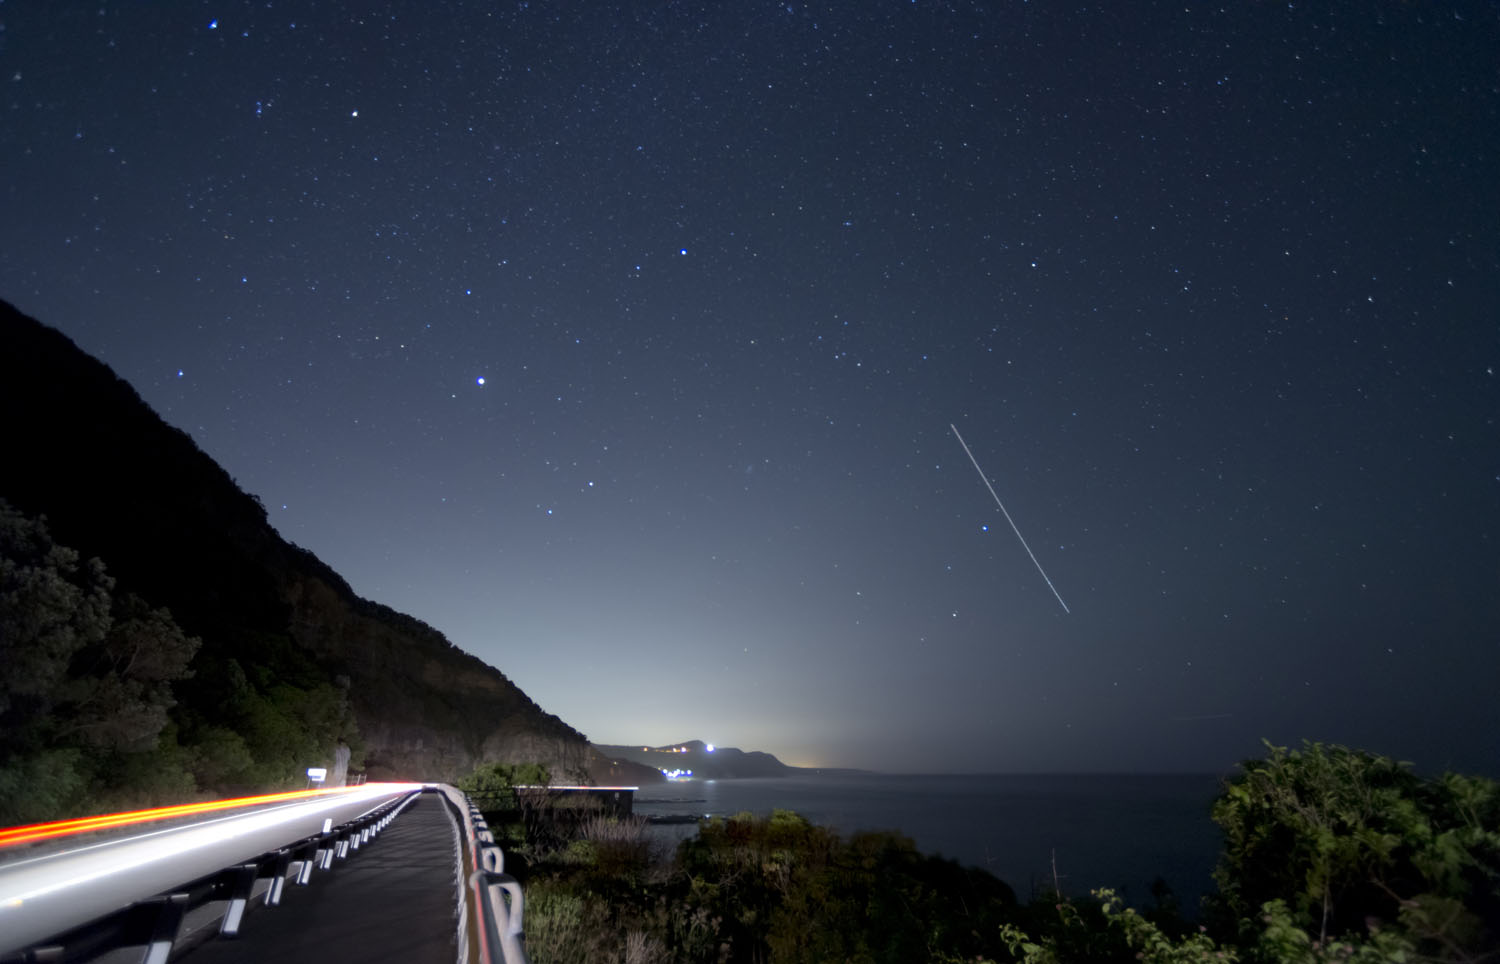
(1094, 831)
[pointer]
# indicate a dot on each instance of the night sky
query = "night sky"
(621, 343)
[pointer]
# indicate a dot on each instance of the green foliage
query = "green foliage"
(1348, 844)
(1282, 941)
(565, 926)
(284, 713)
(1411, 862)
(1103, 929)
(51, 607)
(1331, 856)
(1054, 929)
(620, 849)
(87, 688)
(1121, 934)
(221, 758)
(1155, 947)
(90, 718)
(146, 778)
(494, 784)
(120, 688)
(757, 889)
(740, 870)
(42, 785)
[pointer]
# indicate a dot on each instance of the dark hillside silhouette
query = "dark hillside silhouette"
(116, 482)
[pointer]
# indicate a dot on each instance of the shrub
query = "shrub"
(1348, 844)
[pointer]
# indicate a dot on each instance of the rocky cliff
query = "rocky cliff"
(116, 482)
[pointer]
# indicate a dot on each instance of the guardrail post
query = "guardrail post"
(327, 845)
(168, 921)
(279, 867)
(308, 855)
(240, 882)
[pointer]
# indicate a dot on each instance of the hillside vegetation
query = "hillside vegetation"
(268, 660)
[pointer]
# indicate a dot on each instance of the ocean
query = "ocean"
(1102, 830)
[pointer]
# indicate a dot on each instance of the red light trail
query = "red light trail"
(30, 833)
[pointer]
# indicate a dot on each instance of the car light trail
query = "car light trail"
(11, 836)
(49, 893)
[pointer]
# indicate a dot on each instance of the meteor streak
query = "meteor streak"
(1013, 528)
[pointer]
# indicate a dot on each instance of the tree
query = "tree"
(1354, 847)
(51, 606)
(495, 783)
(88, 677)
(1331, 856)
(120, 689)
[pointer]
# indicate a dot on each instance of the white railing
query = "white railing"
(495, 895)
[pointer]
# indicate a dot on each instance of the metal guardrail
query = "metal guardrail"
(138, 892)
(496, 896)
(79, 904)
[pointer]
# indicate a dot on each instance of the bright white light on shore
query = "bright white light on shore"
(709, 748)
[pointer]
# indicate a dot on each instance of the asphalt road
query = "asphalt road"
(394, 900)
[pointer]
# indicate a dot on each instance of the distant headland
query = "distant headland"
(692, 759)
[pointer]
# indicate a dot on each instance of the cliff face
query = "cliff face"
(423, 705)
(118, 483)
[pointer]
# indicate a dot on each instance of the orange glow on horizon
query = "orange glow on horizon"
(62, 828)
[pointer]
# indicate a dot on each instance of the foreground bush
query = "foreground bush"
(1331, 856)
(1354, 849)
(756, 889)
